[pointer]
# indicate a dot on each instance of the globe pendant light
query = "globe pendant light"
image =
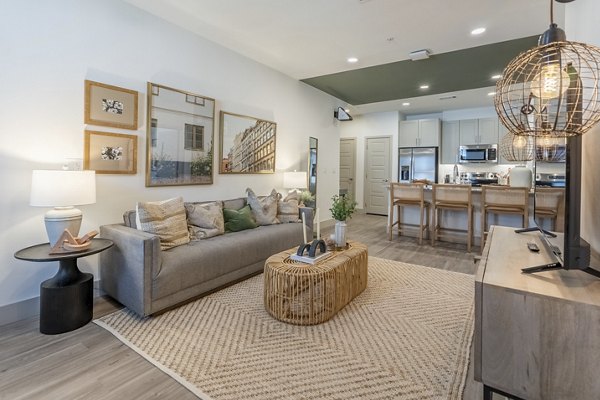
(517, 147)
(551, 90)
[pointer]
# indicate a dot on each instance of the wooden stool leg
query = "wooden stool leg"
(483, 223)
(421, 226)
(434, 220)
(399, 212)
(469, 228)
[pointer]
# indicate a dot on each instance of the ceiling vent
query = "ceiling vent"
(419, 54)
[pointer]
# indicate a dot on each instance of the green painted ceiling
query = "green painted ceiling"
(447, 72)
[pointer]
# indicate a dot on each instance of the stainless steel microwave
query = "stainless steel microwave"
(478, 153)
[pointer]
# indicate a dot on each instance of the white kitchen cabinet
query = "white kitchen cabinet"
(488, 130)
(419, 133)
(408, 135)
(469, 131)
(478, 131)
(450, 142)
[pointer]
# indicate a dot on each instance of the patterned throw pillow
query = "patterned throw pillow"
(238, 220)
(287, 209)
(166, 219)
(264, 209)
(205, 219)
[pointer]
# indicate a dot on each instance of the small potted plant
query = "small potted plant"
(306, 198)
(342, 208)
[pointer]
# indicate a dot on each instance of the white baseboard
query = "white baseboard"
(29, 308)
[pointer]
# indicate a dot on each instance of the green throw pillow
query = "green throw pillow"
(238, 220)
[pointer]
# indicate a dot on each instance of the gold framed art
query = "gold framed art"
(108, 105)
(247, 144)
(180, 136)
(110, 153)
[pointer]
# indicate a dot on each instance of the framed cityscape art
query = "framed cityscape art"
(107, 105)
(247, 145)
(110, 153)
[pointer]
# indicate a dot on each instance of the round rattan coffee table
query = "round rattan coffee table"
(305, 294)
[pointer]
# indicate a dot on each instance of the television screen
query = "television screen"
(342, 115)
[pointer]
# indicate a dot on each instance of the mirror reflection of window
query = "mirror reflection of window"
(312, 168)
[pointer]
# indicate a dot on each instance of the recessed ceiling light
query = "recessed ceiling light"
(497, 76)
(491, 93)
(406, 104)
(477, 31)
(424, 86)
(352, 60)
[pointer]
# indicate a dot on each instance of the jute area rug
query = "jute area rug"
(407, 336)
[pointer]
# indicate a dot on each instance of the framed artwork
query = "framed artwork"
(247, 145)
(107, 105)
(110, 153)
(180, 137)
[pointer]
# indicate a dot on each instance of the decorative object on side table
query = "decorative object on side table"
(62, 190)
(68, 244)
(108, 105)
(110, 153)
(306, 197)
(341, 209)
(66, 300)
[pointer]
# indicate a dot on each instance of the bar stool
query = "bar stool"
(408, 195)
(452, 198)
(503, 200)
(547, 204)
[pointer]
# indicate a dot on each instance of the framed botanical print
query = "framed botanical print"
(179, 137)
(110, 153)
(107, 105)
(247, 145)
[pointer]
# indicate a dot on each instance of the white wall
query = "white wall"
(581, 25)
(50, 47)
(363, 126)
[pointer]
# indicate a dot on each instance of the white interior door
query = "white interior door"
(347, 167)
(378, 173)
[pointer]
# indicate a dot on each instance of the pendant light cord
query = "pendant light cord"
(551, 11)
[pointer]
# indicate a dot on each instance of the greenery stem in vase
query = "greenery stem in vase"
(341, 209)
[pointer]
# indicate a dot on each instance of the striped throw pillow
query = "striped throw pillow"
(166, 219)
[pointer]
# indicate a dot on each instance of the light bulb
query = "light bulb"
(520, 142)
(550, 82)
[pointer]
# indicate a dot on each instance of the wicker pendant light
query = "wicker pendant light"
(517, 147)
(552, 89)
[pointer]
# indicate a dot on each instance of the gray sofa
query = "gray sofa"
(146, 279)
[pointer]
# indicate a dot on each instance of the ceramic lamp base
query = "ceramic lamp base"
(61, 218)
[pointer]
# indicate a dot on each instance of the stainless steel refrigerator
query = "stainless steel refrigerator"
(417, 163)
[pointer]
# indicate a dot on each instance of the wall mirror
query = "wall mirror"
(313, 150)
(550, 176)
(180, 131)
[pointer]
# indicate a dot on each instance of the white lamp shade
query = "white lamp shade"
(57, 188)
(295, 180)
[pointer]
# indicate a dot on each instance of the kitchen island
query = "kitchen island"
(458, 219)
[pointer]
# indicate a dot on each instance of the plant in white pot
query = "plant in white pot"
(341, 209)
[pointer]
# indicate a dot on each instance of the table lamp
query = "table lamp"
(295, 180)
(62, 190)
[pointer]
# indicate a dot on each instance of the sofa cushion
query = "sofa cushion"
(166, 219)
(205, 219)
(238, 220)
(234, 204)
(264, 209)
(287, 209)
(200, 261)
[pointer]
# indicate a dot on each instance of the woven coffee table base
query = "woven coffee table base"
(305, 294)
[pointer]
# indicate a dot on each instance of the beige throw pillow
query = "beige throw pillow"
(205, 220)
(287, 209)
(264, 209)
(166, 219)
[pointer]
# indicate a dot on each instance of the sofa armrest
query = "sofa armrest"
(309, 214)
(126, 268)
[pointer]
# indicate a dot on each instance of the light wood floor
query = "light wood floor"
(90, 363)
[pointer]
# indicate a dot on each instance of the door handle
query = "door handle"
(350, 179)
(386, 180)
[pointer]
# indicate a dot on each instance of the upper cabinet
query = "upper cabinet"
(450, 142)
(478, 131)
(419, 133)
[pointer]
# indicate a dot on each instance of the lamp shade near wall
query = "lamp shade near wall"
(62, 190)
(295, 180)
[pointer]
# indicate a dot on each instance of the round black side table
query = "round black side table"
(66, 299)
